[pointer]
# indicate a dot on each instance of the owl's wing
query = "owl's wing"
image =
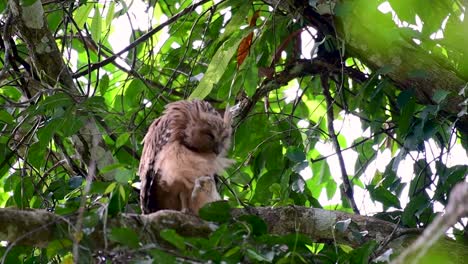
(157, 136)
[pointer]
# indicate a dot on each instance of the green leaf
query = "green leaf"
(331, 188)
(122, 139)
(75, 182)
(295, 154)
(3, 5)
(69, 126)
(263, 193)
(384, 196)
(250, 76)
(218, 211)
(5, 117)
(414, 209)
(172, 237)
(82, 13)
(118, 200)
(217, 67)
(407, 104)
(102, 187)
(25, 3)
(440, 96)
(124, 236)
(237, 20)
(133, 92)
(46, 132)
(123, 176)
(110, 14)
(159, 256)
(96, 25)
(53, 102)
(23, 193)
(366, 154)
(364, 253)
(259, 227)
(56, 246)
(104, 83)
(257, 256)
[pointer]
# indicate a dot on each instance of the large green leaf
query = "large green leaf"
(217, 67)
(96, 25)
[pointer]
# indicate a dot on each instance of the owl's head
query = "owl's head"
(208, 133)
(201, 128)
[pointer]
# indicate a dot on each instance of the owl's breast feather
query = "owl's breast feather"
(177, 163)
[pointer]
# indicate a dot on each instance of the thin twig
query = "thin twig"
(141, 39)
(79, 222)
(346, 187)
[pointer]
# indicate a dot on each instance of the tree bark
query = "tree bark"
(39, 227)
(48, 66)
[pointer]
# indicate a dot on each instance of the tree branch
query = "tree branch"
(141, 39)
(382, 45)
(346, 187)
(39, 227)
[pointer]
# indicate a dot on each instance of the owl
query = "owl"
(183, 151)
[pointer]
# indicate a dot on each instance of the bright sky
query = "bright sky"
(349, 125)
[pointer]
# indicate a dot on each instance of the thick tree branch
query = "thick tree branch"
(38, 227)
(300, 68)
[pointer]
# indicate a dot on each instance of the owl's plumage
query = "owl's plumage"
(183, 149)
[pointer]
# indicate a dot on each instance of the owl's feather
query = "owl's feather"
(189, 141)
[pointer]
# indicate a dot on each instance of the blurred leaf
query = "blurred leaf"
(56, 101)
(259, 226)
(133, 93)
(364, 253)
(109, 18)
(342, 226)
(104, 82)
(159, 256)
(172, 237)
(252, 254)
(440, 96)
(382, 195)
(96, 25)
(295, 154)
(406, 102)
(366, 154)
(26, 3)
(414, 208)
(216, 68)
(5, 117)
(123, 176)
(124, 236)
(3, 5)
(118, 200)
(82, 13)
(75, 182)
(122, 139)
(262, 191)
(218, 211)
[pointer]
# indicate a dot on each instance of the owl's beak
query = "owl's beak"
(217, 149)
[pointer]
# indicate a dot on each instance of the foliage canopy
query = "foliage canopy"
(79, 109)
